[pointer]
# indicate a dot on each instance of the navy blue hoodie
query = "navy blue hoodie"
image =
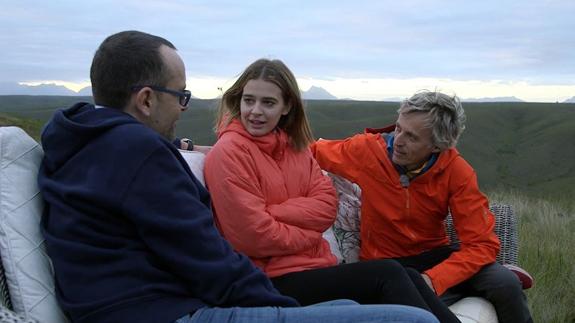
(129, 228)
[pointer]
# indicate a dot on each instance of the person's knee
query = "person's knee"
(505, 278)
(502, 283)
(511, 281)
(503, 288)
(337, 302)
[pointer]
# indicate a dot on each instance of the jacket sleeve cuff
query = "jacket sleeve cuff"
(438, 284)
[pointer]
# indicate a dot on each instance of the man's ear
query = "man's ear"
(144, 100)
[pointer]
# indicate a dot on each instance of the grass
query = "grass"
(31, 126)
(522, 146)
(546, 251)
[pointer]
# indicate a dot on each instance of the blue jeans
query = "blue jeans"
(338, 311)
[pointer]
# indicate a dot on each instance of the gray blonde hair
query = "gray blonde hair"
(445, 116)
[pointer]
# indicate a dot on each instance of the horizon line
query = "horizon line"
(370, 89)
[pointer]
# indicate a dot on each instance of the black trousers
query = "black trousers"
(368, 282)
(494, 282)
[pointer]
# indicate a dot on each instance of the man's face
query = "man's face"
(166, 112)
(413, 143)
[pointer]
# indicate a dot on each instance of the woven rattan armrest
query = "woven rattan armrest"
(505, 229)
(7, 316)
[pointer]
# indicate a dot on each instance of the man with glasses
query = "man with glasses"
(127, 225)
(184, 95)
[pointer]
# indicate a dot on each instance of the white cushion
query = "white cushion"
(474, 310)
(27, 267)
(329, 236)
(195, 160)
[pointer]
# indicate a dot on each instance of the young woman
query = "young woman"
(272, 202)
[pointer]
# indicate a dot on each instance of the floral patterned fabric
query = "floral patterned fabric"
(347, 222)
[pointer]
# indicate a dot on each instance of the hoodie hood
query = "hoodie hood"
(273, 143)
(70, 130)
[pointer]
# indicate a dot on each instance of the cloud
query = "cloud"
(385, 88)
(517, 40)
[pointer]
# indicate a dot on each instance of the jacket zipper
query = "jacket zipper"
(408, 212)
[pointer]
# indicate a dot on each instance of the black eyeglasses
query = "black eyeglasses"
(184, 95)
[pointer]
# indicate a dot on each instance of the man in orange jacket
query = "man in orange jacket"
(411, 176)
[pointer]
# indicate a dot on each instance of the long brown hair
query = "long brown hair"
(295, 123)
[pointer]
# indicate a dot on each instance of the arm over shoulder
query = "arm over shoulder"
(344, 157)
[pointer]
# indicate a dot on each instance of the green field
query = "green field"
(523, 153)
(547, 237)
(528, 147)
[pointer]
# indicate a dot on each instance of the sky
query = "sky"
(364, 50)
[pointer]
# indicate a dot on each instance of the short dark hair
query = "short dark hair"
(124, 60)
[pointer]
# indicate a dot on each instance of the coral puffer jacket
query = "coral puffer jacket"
(271, 202)
(399, 221)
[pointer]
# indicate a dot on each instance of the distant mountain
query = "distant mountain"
(317, 93)
(572, 100)
(496, 99)
(393, 99)
(87, 91)
(42, 89)
(9, 88)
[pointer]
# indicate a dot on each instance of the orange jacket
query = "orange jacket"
(398, 221)
(271, 202)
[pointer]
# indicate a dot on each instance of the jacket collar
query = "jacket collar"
(273, 143)
(437, 163)
(411, 175)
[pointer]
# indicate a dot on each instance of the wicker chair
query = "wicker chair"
(505, 229)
